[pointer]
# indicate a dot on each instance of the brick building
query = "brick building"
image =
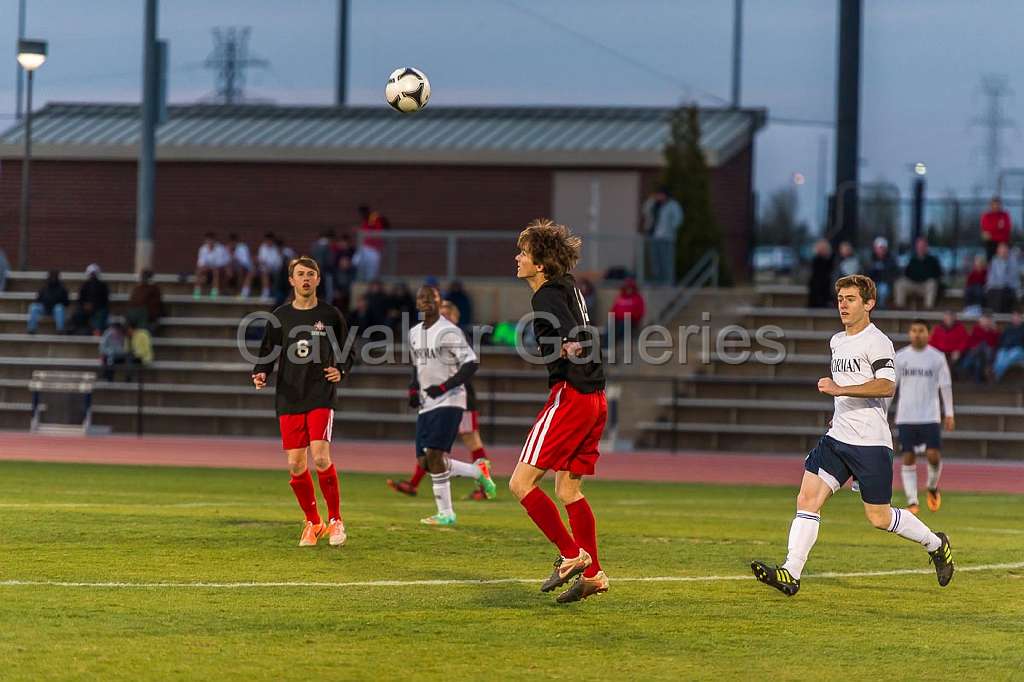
(298, 170)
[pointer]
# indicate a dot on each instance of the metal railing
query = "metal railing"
(703, 273)
(469, 254)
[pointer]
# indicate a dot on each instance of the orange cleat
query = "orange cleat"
(913, 508)
(311, 533)
(934, 500)
(404, 487)
(336, 534)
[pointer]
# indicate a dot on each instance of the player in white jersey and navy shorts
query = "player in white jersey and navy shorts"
(858, 443)
(442, 363)
(922, 376)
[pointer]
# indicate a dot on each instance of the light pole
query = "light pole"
(31, 55)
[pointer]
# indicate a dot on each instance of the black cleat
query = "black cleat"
(566, 570)
(943, 560)
(776, 576)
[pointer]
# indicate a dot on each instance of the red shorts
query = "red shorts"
(297, 430)
(566, 434)
(470, 422)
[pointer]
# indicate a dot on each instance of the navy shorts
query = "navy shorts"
(437, 429)
(871, 465)
(914, 436)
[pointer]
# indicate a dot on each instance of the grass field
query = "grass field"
(133, 527)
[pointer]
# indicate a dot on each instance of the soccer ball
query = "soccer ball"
(408, 90)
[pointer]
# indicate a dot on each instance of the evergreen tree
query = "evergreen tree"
(688, 180)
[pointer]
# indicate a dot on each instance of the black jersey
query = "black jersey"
(560, 316)
(302, 345)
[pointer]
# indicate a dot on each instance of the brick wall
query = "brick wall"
(85, 211)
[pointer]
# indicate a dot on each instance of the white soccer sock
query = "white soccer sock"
(456, 467)
(909, 475)
(934, 471)
(442, 493)
(802, 536)
(908, 526)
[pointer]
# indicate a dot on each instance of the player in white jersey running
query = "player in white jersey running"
(922, 375)
(442, 363)
(858, 444)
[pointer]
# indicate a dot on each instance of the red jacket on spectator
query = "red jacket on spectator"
(976, 276)
(629, 303)
(949, 339)
(980, 335)
(998, 226)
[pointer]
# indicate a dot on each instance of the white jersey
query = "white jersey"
(920, 374)
(437, 354)
(216, 256)
(269, 257)
(857, 360)
(242, 256)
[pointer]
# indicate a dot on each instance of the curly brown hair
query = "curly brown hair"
(866, 286)
(550, 245)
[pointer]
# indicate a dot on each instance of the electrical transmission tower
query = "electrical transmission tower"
(995, 89)
(229, 60)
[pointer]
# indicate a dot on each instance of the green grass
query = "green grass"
(82, 523)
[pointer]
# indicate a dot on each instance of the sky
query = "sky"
(923, 64)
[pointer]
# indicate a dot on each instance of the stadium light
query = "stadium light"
(31, 55)
(920, 168)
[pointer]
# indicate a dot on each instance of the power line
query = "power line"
(994, 88)
(230, 59)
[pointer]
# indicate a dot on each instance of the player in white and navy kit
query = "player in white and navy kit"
(442, 363)
(858, 443)
(922, 375)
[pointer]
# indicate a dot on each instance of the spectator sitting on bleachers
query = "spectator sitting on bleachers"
(343, 247)
(93, 305)
(5, 267)
(268, 264)
(1003, 282)
(145, 304)
(211, 263)
(996, 227)
(848, 263)
(138, 351)
(950, 337)
(344, 277)
(882, 268)
(629, 306)
(400, 302)
(52, 299)
(282, 289)
(377, 303)
(819, 288)
(922, 277)
(112, 350)
(974, 287)
(981, 349)
(367, 258)
(359, 317)
(1011, 347)
(322, 251)
(240, 267)
(457, 295)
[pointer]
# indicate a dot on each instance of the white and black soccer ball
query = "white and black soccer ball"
(408, 90)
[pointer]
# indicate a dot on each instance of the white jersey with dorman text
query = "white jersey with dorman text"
(858, 359)
(437, 353)
(920, 375)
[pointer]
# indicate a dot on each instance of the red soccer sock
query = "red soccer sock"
(545, 514)
(417, 476)
(328, 479)
(584, 531)
(305, 493)
(479, 453)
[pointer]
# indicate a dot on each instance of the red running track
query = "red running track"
(389, 457)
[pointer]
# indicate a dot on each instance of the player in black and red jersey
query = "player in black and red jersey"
(306, 336)
(568, 430)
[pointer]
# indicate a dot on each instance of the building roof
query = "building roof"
(547, 136)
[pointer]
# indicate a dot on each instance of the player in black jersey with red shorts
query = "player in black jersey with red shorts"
(304, 340)
(568, 430)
